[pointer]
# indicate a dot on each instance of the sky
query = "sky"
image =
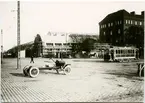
(41, 17)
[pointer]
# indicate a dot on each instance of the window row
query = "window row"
(125, 51)
(57, 44)
(59, 49)
(133, 22)
(119, 31)
(111, 24)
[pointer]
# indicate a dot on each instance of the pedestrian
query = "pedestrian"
(32, 60)
(112, 55)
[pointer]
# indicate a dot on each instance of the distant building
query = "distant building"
(112, 27)
(59, 43)
(55, 44)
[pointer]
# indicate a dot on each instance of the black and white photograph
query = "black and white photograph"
(72, 51)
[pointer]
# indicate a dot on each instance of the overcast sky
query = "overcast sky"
(43, 17)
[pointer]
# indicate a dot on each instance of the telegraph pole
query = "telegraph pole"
(18, 36)
(1, 46)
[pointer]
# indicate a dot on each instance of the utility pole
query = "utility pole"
(18, 36)
(1, 46)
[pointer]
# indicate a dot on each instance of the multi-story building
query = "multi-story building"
(59, 43)
(113, 26)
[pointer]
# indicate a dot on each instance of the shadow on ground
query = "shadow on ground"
(51, 72)
(127, 75)
(18, 74)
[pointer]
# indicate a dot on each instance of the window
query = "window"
(58, 44)
(105, 25)
(135, 22)
(108, 24)
(121, 51)
(111, 24)
(130, 21)
(49, 44)
(140, 23)
(116, 52)
(120, 22)
(126, 22)
(110, 32)
(118, 31)
(104, 32)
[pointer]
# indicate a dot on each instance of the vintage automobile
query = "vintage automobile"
(58, 65)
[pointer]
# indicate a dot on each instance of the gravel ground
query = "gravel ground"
(90, 80)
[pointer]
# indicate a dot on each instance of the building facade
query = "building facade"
(113, 26)
(53, 44)
(58, 44)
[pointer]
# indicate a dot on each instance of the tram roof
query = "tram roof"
(123, 48)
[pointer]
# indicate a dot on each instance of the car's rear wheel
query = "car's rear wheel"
(25, 70)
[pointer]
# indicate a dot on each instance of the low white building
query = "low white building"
(57, 43)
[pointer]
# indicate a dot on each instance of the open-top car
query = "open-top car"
(58, 65)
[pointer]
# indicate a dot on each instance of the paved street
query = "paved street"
(90, 80)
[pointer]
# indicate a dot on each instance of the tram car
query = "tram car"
(121, 54)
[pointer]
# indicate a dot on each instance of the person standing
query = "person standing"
(32, 59)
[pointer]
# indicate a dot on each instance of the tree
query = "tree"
(87, 45)
(134, 35)
(37, 48)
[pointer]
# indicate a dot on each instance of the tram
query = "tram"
(121, 54)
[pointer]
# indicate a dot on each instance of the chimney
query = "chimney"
(132, 13)
(142, 13)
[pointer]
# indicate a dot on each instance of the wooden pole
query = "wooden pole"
(1, 46)
(18, 35)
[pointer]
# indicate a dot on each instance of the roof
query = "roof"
(22, 46)
(120, 14)
(117, 14)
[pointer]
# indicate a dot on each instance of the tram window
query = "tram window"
(121, 51)
(116, 51)
(133, 51)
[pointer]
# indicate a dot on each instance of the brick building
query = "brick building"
(113, 26)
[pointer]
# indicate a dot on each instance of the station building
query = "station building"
(113, 26)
